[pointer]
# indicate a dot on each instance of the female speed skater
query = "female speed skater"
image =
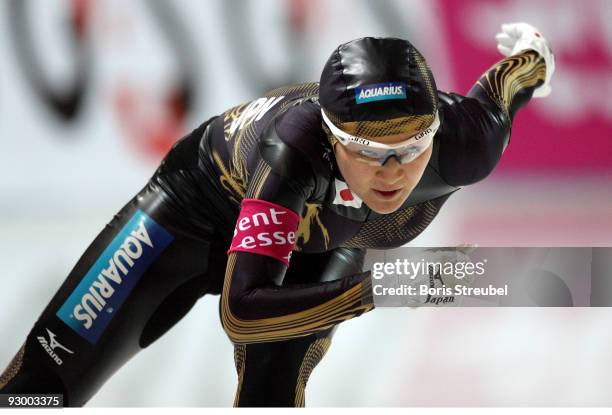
(272, 205)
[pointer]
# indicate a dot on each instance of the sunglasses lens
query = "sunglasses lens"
(379, 157)
(407, 158)
(370, 153)
(378, 154)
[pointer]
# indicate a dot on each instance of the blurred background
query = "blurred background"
(93, 93)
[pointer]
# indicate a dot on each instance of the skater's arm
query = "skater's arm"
(476, 129)
(255, 306)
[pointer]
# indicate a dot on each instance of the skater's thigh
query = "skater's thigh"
(276, 373)
(139, 276)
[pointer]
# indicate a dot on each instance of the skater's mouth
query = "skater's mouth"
(387, 194)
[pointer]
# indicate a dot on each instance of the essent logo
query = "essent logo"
(263, 220)
(265, 228)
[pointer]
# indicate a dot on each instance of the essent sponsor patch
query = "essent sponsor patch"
(265, 228)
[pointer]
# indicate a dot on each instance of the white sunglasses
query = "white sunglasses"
(379, 153)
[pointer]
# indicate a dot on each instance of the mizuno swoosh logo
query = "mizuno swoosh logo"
(54, 343)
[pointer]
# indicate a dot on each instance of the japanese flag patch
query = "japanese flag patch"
(345, 197)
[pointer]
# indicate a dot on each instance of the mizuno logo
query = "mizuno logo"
(51, 345)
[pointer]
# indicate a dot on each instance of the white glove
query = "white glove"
(436, 279)
(517, 37)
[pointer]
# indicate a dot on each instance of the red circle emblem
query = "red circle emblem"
(346, 195)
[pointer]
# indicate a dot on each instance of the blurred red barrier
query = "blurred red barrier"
(572, 128)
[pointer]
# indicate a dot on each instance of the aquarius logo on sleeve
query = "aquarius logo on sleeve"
(380, 92)
(102, 291)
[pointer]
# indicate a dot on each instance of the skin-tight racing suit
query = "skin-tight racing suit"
(259, 181)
